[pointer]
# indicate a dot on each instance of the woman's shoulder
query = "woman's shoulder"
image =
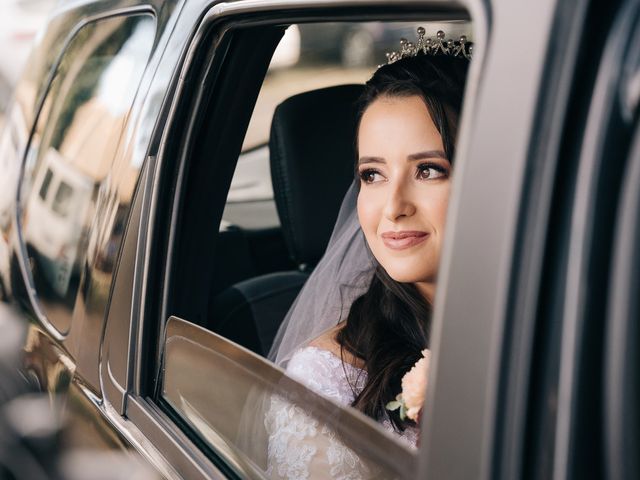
(315, 359)
(324, 372)
(323, 352)
(328, 341)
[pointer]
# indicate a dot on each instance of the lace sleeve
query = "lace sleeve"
(300, 447)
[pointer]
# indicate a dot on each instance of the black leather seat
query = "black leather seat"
(312, 165)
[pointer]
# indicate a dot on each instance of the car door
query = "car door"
(72, 180)
(541, 409)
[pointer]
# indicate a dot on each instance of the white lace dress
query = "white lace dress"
(300, 447)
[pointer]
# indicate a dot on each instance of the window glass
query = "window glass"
(265, 423)
(72, 151)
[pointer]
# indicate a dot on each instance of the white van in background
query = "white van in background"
(54, 228)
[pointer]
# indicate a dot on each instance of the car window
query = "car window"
(71, 153)
(214, 374)
(238, 402)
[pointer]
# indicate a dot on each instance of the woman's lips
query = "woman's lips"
(404, 239)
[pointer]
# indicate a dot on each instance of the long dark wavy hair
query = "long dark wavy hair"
(388, 326)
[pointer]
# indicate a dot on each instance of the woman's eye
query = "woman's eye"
(430, 172)
(370, 176)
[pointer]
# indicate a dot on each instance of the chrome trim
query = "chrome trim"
(115, 385)
(132, 434)
(180, 452)
(249, 6)
(149, 189)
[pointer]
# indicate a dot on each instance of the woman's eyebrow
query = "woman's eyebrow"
(427, 154)
(362, 160)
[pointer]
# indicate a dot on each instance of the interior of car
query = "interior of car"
(311, 158)
(259, 155)
(287, 187)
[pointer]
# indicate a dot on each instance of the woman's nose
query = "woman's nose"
(398, 203)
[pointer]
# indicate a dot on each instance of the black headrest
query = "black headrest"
(312, 149)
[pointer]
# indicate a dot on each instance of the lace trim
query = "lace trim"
(325, 373)
(289, 427)
(300, 447)
(345, 464)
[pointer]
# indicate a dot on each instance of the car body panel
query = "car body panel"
(68, 368)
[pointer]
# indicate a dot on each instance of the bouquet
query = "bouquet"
(414, 386)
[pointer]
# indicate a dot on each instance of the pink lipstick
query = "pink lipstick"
(403, 239)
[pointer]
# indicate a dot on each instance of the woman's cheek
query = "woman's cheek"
(435, 206)
(367, 214)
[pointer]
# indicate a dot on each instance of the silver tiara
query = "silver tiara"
(432, 46)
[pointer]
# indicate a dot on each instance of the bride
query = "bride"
(385, 282)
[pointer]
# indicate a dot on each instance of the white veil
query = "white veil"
(342, 275)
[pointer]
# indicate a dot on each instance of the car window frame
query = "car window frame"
(138, 407)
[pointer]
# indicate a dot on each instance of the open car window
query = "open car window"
(237, 401)
(236, 259)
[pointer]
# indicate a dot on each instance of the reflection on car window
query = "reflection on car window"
(45, 184)
(62, 200)
(240, 403)
(72, 150)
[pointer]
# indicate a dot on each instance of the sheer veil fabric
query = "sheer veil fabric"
(342, 275)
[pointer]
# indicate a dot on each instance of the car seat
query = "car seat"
(312, 159)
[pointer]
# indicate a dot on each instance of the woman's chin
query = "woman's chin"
(410, 275)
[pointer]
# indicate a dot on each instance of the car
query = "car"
(152, 285)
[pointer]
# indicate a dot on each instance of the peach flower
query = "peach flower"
(414, 386)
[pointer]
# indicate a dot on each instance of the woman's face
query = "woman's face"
(404, 189)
